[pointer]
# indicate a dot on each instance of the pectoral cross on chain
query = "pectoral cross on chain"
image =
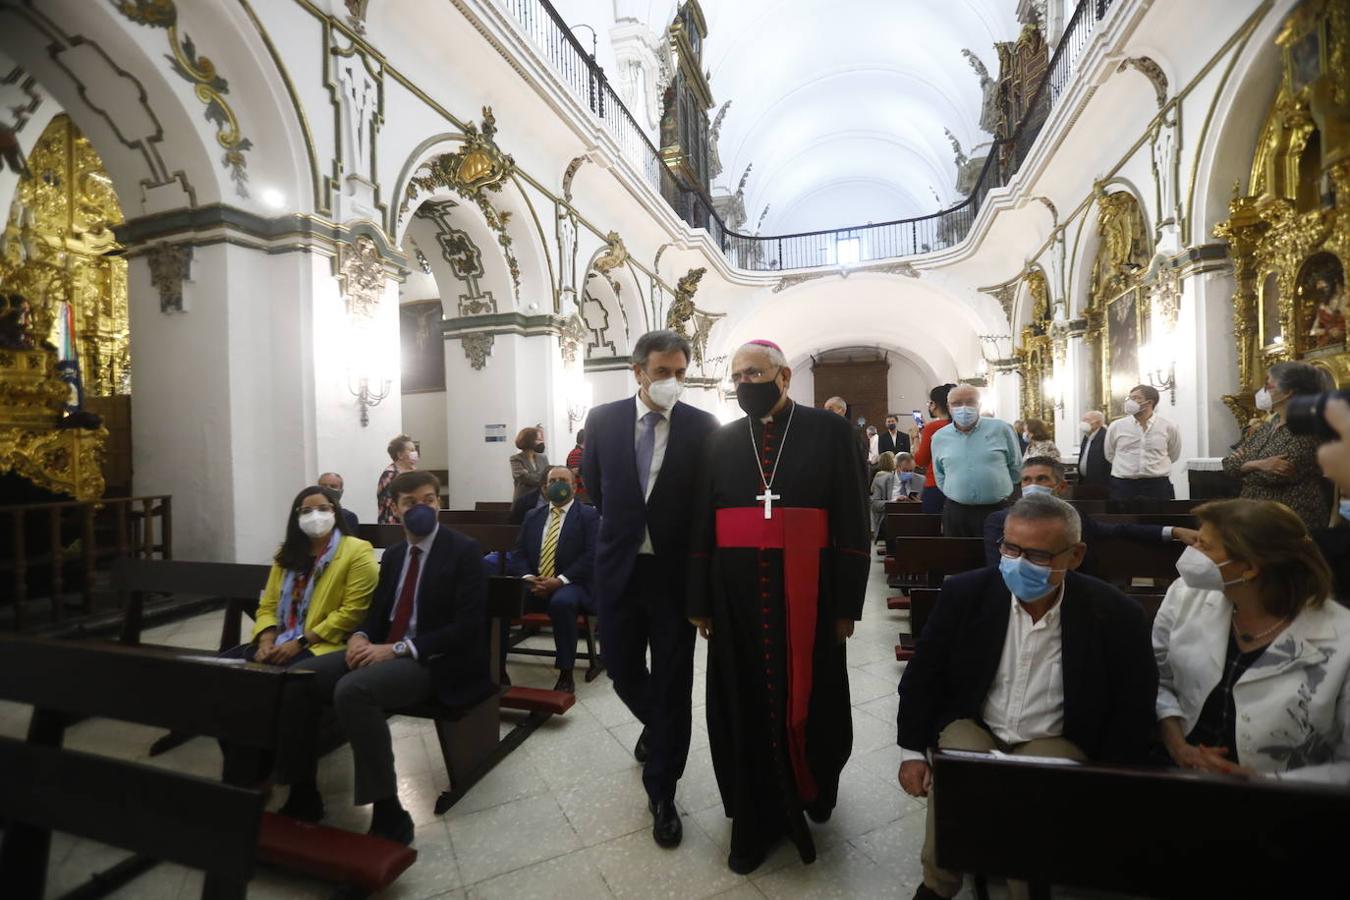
(768, 497)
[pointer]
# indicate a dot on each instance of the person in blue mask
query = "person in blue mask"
(1045, 475)
(977, 461)
(1003, 648)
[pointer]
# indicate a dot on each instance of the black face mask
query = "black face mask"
(539, 448)
(758, 398)
(891, 426)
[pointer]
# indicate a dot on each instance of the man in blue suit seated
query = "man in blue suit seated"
(1045, 475)
(556, 555)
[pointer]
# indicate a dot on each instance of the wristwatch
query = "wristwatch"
(402, 649)
(303, 642)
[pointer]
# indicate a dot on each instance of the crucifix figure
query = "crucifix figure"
(768, 497)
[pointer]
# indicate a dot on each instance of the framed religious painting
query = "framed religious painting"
(1272, 328)
(422, 345)
(1120, 359)
(1320, 305)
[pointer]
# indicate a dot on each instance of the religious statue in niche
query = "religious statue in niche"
(422, 346)
(1321, 301)
(1122, 348)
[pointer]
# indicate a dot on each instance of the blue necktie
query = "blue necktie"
(646, 446)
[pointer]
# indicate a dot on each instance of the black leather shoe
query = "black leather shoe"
(303, 804)
(565, 682)
(640, 749)
(667, 830)
(746, 863)
(926, 893)
(398, 829)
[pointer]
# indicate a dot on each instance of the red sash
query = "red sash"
(801, 534)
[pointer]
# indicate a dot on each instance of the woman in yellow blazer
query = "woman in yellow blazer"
(321, 582)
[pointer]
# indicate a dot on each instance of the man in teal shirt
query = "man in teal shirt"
(977, 461)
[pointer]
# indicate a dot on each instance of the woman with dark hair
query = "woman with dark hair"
(1253, 662)
(403, 451)
(319, 587)
(1039, 440)
(922, 443)
(530, 465)
(1272, 462)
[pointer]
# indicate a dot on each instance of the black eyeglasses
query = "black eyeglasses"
(1039, 557)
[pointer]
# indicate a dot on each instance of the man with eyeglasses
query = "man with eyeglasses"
(1045, 475)
(1029, 658)
(779, 562)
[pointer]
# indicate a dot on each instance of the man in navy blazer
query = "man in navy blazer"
(1045, 474)
(1093, 467)
(1028, 658)
(639, 468)
(567, 583)
(424, 638)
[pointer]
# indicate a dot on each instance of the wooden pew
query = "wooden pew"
(143, 809)
(238, 585)
(1142, 832)
(900, 525)
(493, 504)
(938, 556)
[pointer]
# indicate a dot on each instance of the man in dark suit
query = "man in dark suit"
(1092, 465)
(556, 554)
(892, 440)
(1045, 475)
(333, 481)
(424, 638)
(1029, 658)
(639, 467)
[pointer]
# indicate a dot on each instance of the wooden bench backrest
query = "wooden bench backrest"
(193, 694)
(133, 578)
(493, 504)
(896, 508)
(159, 813)
(1117, 560)
(938, 555)
(454, 517)
(903, 525)
(1139, 831)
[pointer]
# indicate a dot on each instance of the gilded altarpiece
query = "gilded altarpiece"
(1289, 235)
(1034, 352)
(1117, 310)
(66, 302)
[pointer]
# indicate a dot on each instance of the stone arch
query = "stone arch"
(470, 269)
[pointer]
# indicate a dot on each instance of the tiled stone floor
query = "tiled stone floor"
(565, 815)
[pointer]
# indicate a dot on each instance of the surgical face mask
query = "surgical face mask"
(1201, 572)
(317, 523)
(1029, 490)
(1345, 508)
(906, 477)
(558, 492)
(419, 520)
(965, 416)
(413, 456)
(1132, 408)
(1084, 429)
(666, 392)
(1027, 581)
(758, 398)
(1264, 401)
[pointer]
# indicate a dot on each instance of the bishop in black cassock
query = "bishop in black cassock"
(778, 573)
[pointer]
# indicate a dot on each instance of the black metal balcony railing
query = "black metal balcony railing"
(853, 245)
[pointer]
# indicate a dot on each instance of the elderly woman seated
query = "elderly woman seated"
(1253, 662)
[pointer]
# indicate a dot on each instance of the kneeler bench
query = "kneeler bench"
(533, 621)
(368, 863)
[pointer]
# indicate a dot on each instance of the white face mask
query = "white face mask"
(1084, 429)
(317, 523)
(1201, 572)
(1030, 490)
(1132, 408)
(413, 456)
(666, 392)
(1264, 401)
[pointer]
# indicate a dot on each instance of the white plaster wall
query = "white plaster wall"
(425, 421)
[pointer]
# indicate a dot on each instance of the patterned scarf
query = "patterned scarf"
(297, 588)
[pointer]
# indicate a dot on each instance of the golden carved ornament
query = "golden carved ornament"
(66, 461)
(682, 308)
(615, 255)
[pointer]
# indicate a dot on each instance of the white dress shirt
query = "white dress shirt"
(874, 449)
(562, 523)
(424, 544)
(1026, 700)
(1142, 451)
(662, 437)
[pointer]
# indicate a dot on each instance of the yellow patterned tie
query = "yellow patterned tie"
(547, 561)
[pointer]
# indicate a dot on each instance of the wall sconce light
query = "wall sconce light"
(1051, 388)
(578, 406)
(366, 397)
(1161, 374)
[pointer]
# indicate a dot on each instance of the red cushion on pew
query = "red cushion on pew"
(538, 700)
(332, 854)
(897, 603)
(542, 620)
(903, 654)
(892, 568)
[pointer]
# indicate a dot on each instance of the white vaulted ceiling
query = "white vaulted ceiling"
(841, 104)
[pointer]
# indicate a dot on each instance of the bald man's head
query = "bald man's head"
(837, 406)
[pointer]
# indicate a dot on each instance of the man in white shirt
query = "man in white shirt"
(1141, 447)
(991, 668)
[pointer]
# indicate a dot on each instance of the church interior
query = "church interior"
(252, 244)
